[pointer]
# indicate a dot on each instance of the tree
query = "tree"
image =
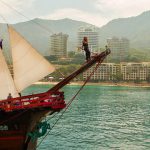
(78, 59)
(137, 80)
(148, 78)
(71, 54)
(118, 77)
(51, 58)
(64, 71)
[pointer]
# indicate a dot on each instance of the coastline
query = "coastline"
(125, 84)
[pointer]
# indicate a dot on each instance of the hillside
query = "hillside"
(136, 29)
(38, 31)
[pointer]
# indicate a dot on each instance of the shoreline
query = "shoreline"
(125, 84)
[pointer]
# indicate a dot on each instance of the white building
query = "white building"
(59, 45)
(127, 71)
(91, 33)
(106, 71)
(135, 71)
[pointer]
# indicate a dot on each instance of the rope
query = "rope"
(69, 103)
(21, 14)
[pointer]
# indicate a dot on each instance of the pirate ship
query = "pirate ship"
(20, 115)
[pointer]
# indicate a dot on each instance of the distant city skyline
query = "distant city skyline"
(97, 12)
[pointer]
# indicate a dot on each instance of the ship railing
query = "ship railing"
(53, 100)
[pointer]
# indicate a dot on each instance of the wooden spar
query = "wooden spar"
(94, 60)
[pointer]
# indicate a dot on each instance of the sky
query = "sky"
(97, 12)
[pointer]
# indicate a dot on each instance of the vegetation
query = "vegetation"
(51, 58)
(65, 66)
(64, 71)
(134, 55)
(74, 61)
(138, 56)
(118, 77)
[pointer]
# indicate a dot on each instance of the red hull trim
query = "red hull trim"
(12, 138)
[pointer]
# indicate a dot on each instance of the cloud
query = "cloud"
(122, 8)
(10, 8)
(101, 11)
(76, 14)
(97, 12)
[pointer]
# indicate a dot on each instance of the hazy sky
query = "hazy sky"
(97, 12)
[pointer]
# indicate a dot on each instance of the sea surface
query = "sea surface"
(100, 118)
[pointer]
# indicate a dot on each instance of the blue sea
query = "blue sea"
(100, 118)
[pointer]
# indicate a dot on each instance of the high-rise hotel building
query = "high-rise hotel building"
(91, 32)
(119, 48)
(59, 45)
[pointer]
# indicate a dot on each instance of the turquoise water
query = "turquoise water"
(101, 118)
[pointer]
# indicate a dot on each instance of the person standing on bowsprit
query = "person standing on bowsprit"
(107, 48)
(1, 43)
(85, 47)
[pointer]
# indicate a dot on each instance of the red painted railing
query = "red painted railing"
(54, 101)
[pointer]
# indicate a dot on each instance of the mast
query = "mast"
(94, 60)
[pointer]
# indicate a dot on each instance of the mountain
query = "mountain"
(38, 31)
(136, 29)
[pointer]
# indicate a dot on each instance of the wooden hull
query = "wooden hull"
(14, 127)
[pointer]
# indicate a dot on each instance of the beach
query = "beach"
(128, 84)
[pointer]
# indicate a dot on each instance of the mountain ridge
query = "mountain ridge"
(136, 29)
(37, 31)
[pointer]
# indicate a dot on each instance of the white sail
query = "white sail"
(29, 66)
(6, 82)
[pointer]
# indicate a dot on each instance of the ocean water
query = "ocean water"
(101, 118)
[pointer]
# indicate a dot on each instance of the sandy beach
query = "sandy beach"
(128, 84)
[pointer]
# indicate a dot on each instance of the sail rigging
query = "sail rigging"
(28, 65)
